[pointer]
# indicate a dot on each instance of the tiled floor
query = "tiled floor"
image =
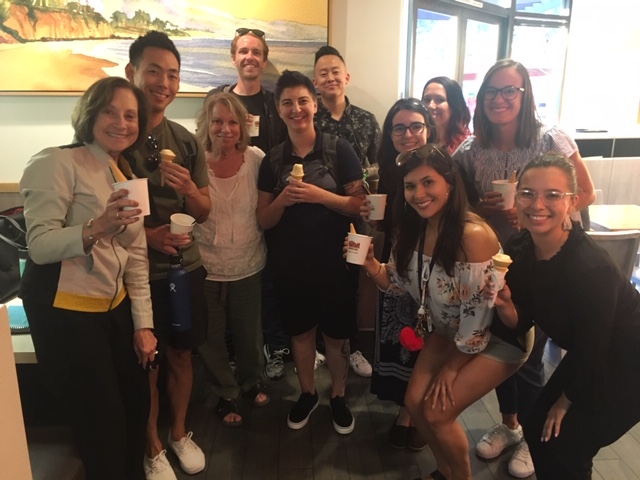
(265, 449)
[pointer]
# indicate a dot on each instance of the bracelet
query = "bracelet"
(377, 273)
(92, 239)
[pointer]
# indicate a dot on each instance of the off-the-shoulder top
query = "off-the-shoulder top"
(458, 309)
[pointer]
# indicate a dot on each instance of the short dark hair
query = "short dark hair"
(327, 50)
(151, 39)
(237, 109)
(528, 124)
(96, 98)
(458, 127)
(290, 79)
(265, 47)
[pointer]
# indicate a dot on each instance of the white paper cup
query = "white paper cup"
(138, 191)
(378, 204)
(254, 126)
(357, 249)
(182, 223)
(508, 191)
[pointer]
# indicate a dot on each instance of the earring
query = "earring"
(566, 224)
(405, 205)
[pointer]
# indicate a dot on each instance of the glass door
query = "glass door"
(455, 42)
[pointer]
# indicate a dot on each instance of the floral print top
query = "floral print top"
(458, 309)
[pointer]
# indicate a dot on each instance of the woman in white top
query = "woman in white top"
(234, 253)
(442, 255)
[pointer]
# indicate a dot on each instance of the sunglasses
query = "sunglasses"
(153, 159)
(424, 152)
(243, 31)
(508, 93)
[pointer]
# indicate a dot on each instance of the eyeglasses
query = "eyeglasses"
(508, 93)
(153, 159)
(244, 31)
(423, 152)
(438, 100)
(550, 198)
(399, 129)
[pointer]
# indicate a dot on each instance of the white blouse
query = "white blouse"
(231, 243)
(459, 310)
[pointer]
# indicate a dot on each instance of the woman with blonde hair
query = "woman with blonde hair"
(234, 253)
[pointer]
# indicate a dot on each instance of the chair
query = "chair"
(622, 246)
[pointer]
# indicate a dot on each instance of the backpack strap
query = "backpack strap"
(330, 158)
(276, 161)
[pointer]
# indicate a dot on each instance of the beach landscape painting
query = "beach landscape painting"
(62, 47)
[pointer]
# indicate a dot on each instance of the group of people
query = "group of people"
(266, 269)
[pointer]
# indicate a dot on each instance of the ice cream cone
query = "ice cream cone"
(166, 155)
(501, 262)
(297, 173)
(514, 177)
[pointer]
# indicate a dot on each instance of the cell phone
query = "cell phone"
(151, 366)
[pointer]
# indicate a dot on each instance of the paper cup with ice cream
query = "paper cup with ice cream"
(357, 248)
(166, 155)
(507, 189)
(181, 223)
(139, 191)
(378, 203)
(254, 125)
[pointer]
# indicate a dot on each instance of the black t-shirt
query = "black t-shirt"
(307, 241)
(255, 106)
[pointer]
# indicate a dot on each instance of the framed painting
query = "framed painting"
(55, 47)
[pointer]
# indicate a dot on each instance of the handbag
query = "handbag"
(13, 234)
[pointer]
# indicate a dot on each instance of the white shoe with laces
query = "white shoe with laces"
(274, 367)
(320, 360)
(521, 464)
(360, 365)
(158, 467)
(496, 440)
(190, 455)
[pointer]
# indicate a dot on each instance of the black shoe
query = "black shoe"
(343, 421)
(414, 440)
(398, 436)
(302, 410)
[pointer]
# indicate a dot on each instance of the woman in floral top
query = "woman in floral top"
(442, 257)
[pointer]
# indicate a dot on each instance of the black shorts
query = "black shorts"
(192, 338)
(329, 306)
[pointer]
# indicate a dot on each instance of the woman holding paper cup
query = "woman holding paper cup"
(234, 253)
(442, 256)
(507, 136)
(85, 287)
(562, 281)
(408, 125)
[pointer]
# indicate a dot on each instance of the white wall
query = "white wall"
(602, 76)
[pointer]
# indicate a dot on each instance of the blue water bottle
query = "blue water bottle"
(179, 301)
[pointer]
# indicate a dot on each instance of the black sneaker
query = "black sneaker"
(302, 410)
(343, 421)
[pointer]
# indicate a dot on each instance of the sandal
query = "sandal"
(253, 392)
(435, 475)
(226, 407)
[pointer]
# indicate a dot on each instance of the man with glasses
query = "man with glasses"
(249, 54)
(181, 186)
(336, 115)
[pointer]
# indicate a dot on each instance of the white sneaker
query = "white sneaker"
(521, 464)
(274, 366)
(320, 360)
(158, 467)
(190, 455)
(360, 365)
(496, 440)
